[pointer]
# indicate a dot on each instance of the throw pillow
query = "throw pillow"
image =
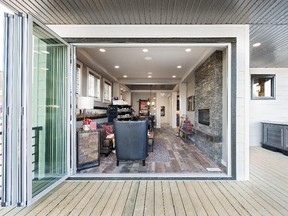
(108, 129)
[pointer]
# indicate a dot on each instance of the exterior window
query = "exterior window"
(94, 84)
(78, 77)
(262, 86)
(107, 94)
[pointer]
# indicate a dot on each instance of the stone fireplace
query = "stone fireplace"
(208, 107)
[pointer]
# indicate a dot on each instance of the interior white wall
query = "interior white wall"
(271, 110)
(183, 99)
(164, 101)
(116, 90)
(240, 32)
(173, 109)
(127, 97)
(84, 84)
(190, 92)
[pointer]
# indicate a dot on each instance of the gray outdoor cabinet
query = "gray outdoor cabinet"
(275, 136)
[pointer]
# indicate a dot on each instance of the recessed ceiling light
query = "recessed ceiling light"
(179, 66)
(102, 50)
(149, 73)
(125, 76)
(256, 44)
(148, 58)
(174, 76)
(188, 50)
(145, 50)
(149, 76)
(117, 66)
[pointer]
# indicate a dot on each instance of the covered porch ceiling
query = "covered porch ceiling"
(267, 21)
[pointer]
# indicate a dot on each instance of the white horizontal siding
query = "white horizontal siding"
(273, 110)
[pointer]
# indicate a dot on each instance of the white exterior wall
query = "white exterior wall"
(240, 32)
(272, 110)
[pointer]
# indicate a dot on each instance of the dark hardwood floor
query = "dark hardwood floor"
(170, 155)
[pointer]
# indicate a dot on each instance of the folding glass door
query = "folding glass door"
(36, 114)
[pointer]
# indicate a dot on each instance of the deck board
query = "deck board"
(167, 199)
(131, 199)
(199, 208)
(213, 199)
(92, 189)
(208, 206)
(251, 199)
(177, 200)
(108, 210)
(159, 204)
(266, 193)
(150, 199)
(119, 206)
(229, 208)
(95, 199)
(241, 199)
(65, 204)
(188, 205)
(99, 208)
(140, 200)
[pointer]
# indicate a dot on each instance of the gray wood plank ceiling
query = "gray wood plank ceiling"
(267, 18)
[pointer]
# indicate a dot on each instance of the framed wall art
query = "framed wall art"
(191, 103)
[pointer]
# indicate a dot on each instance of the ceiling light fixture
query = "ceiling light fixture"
(125, 76)
(117, 66)
(188, 50)
(256, 44)
(179, 66)
(174, 76)
(145, 50)
(149, 73)
(148, 58)
(102, 50)
(149, 76)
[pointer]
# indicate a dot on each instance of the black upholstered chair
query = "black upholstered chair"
(131, 140)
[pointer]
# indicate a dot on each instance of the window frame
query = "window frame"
(97, 76)
(105, 100)
(273, 86)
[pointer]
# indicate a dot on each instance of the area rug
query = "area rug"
(160, 152)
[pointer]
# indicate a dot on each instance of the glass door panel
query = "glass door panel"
(49, 110)
(35, 110)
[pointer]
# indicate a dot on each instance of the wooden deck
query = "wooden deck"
(265, 194)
